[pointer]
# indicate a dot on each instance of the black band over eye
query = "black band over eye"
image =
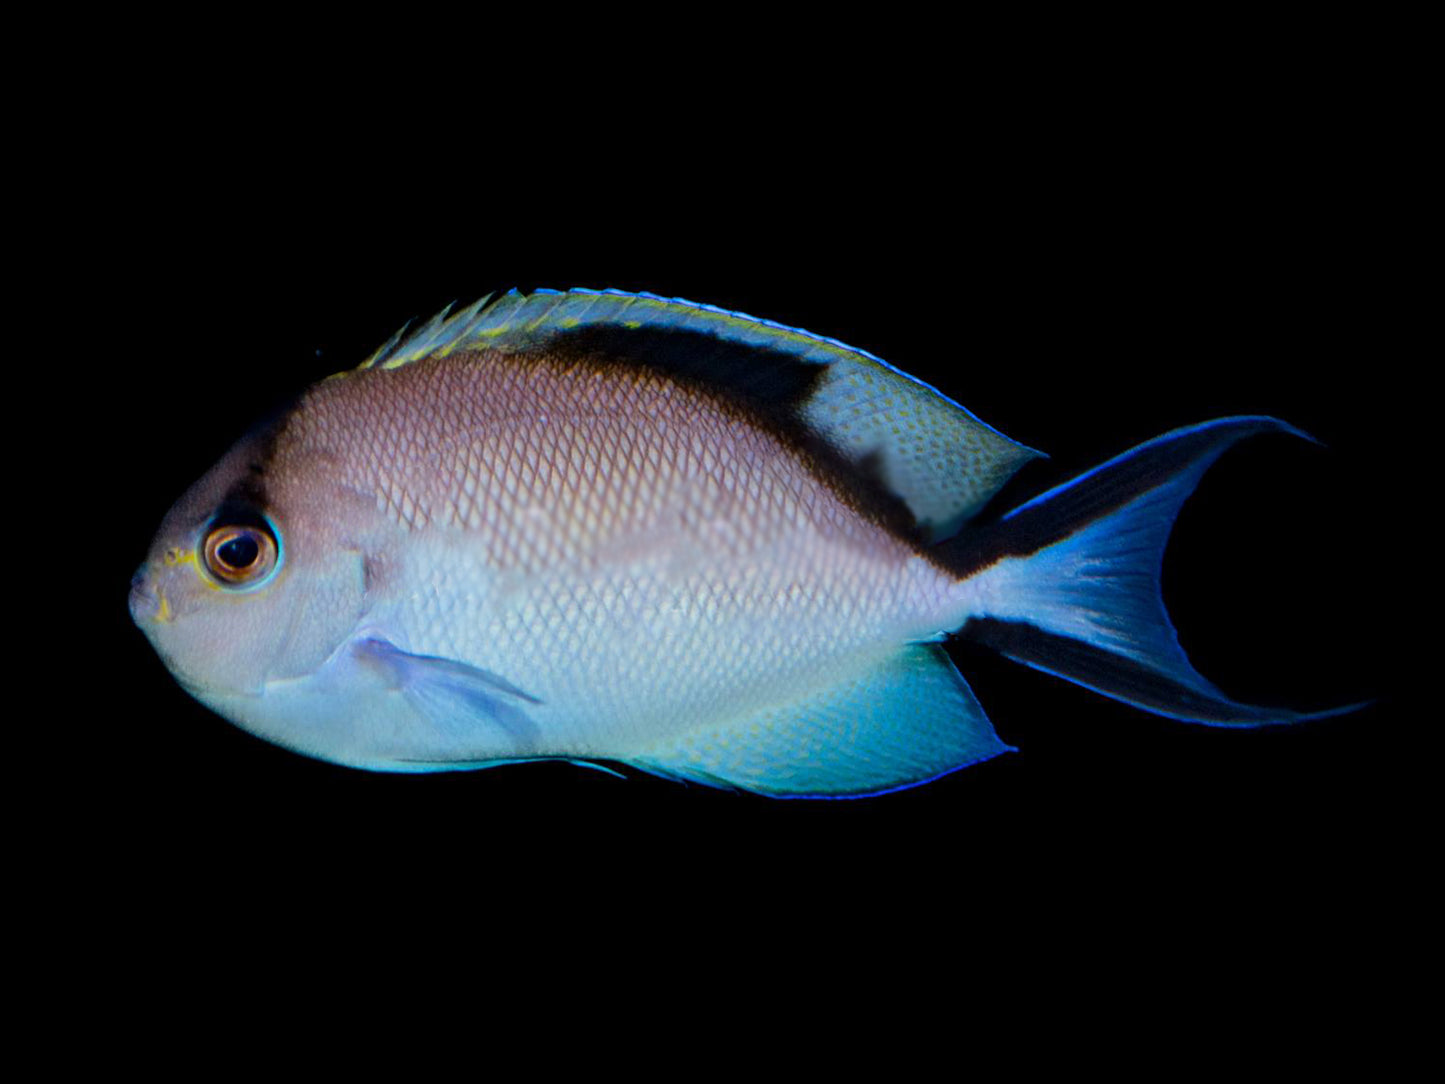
(240, 554)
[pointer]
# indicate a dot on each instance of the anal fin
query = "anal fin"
(904, 720)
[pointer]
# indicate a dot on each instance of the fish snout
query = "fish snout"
(146, 601)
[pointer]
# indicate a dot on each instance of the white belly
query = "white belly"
(675, 631)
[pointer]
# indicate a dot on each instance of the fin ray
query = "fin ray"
(1069, 583)
(900, 722)
(940, 460)
(454, 696)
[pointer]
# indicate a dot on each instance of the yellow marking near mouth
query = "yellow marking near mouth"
(163, 611)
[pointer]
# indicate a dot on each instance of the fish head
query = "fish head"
(255, 576)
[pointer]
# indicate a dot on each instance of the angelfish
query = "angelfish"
(613, 527)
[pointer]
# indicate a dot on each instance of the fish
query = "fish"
(622, 529)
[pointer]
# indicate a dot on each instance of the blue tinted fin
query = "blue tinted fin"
(1069, 582)
(454, 696)
(925, 450)
(900, 722)
(423, 764)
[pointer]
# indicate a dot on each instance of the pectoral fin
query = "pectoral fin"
(456, 698)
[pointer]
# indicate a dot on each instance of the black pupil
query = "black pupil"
(239, 552)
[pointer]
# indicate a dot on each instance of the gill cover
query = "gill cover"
(250, 580)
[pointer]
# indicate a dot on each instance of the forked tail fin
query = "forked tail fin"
(1069, 582)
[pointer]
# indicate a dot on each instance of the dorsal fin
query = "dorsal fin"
(940, 460)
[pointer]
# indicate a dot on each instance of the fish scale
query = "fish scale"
(549, 585)
(604, 526)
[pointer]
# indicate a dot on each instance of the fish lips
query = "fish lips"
(145, 600)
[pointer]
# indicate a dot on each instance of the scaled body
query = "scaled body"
(631, 553)
(604, 526)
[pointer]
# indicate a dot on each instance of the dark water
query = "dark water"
(1080, 316)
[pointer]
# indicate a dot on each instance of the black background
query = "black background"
(1082, 271)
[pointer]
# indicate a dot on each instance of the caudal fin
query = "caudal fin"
(1069, 582)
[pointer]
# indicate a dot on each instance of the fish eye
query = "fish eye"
(240, 554)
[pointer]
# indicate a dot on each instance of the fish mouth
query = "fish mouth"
(146, 603)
